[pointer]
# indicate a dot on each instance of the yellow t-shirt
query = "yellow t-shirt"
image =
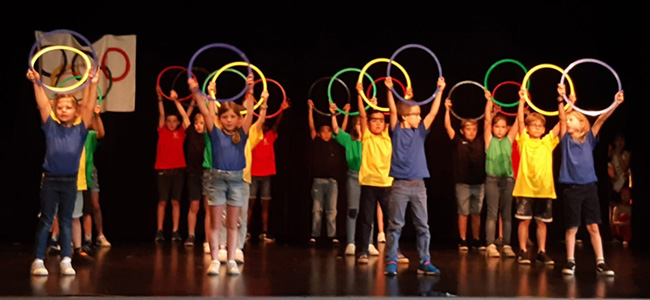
(255, 136)
(535, 175)
(376, 152)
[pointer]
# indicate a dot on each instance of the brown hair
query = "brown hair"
(534, 116)
(580, 136)
(236, 108)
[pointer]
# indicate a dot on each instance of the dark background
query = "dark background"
(297, 44)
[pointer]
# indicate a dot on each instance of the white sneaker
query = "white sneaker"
(349, 249)
(381, 237)
(206, 248)
(66, 267)
(233, 269)
(222, 255)
(38, 268)
(239, 256)
(372, 250)
(507, 251)
(101, 241)
(492, 251)
(213, 269)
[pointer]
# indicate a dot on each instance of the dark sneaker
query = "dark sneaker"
(604, 269)
(523, 258)
(477, 244)
(87, 246)
(176, 237)
(53, 247)
(499, 242)
(160, 237)
(427, 268)
(81, 256)
(463, 245)
(569, 268)
(542, 257)
(190, 241)
(312, 241)
(391, 268)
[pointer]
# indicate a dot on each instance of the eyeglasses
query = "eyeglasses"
(536, 125)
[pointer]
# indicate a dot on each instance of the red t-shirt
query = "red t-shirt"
(515, 158)
(169, 153)
(263, 163)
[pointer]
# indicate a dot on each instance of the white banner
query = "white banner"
(115, 56)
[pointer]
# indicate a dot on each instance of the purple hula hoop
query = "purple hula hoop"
(434, 58)
(587, 112)
(220, 45)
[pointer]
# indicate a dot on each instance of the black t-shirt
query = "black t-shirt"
(469, 160)
(326, 158)
(194, 150)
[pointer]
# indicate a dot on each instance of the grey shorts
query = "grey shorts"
(261, 185)
(469, 198)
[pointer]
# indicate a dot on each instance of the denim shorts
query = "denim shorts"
(225, 187)
(261, 185)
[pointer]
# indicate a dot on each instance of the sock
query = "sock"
(55, 237)
(88, 237)
(571, 259)
(600, 260)
(191, 233)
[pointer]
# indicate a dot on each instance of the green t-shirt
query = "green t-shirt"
(498, 157)
(352, 150)
(91, 145)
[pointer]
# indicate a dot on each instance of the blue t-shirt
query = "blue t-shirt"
(577, 165)
(227, 156)
(63, 147)
(408, 160)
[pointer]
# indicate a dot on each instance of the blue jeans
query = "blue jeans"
(58, 193)
(354, 194)
(370, 196)
(498, 198)
(402, 193)
(324, 192)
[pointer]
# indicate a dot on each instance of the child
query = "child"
(170, 163)
(262, 168)
(534, 188)
(618, 167)
(374, 178)
(622, 216)
(500, 177)
(578, 179)
(325, 165)
(194, 152)
(64, 140)
(468, 160)
(225, 183)
(92, 212)
(352, 144)
(409, 168)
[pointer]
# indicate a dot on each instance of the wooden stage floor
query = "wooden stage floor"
(297, 270)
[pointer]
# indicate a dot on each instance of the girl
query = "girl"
(65, 125)
(226, 184)
(578, 177)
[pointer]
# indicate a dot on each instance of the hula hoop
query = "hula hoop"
(31, 59)
(452, 91)
(392, 60)
(219, 45)
(207, 79)
(100, 97)
(126, 60)
(160, 76)
(311, 88)
(284, 98)
(588, 112)
(530, 103)
(501, 107)
(242, 63)
(382, 78)
(365, 68)
(69, 89)
(329, 89)
(65, 63)
(494, 65)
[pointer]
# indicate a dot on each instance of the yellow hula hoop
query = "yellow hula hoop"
(241, 63)
(365, 68)
(81, 81)
(530, 103)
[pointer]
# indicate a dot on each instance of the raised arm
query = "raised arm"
(98, 125)
(89, 100)
(450, 129)
(363, 116)
(42, 101)
(487, 118)
(346, 108)
(312, 128)
(284, 105)
(335, 123)
(161, 108)
(595, 129)
(249, 103)
(521, 118)
(186, 119)
(199, 99)
(428, 119)
(391, 103)
(262, 116)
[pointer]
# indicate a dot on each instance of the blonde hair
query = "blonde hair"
(580, 135)
(236, 108)
(534, 116)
